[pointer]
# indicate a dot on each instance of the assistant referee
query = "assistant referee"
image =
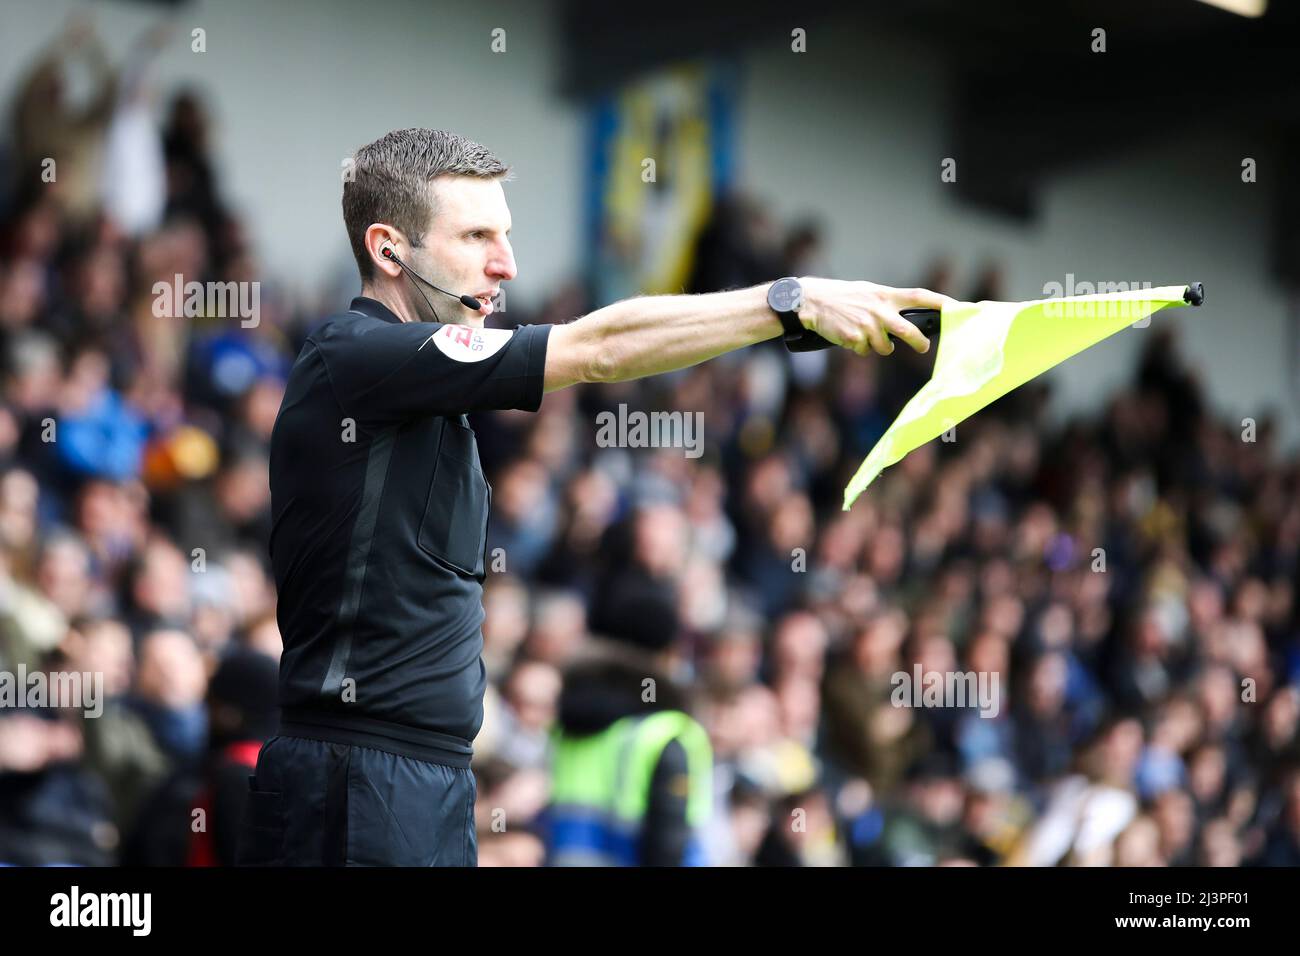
(380, 507)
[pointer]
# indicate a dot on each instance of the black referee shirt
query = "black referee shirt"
(380, 510)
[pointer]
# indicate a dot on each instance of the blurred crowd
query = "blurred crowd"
(1129, 577)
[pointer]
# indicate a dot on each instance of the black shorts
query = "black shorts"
(317, 803)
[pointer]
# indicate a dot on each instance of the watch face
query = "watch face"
(786, 295)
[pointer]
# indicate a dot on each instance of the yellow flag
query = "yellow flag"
(988, 348)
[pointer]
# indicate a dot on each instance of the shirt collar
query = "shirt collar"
(373, 308)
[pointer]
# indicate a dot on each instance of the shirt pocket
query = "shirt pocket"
(454, 528)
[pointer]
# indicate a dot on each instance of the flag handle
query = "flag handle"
(927, 320)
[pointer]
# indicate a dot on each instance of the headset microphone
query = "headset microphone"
(468, 301)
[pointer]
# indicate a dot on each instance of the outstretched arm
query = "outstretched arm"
(653, 334)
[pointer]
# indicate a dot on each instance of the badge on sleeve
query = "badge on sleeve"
(467, 344)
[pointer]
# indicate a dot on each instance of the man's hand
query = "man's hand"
(28, 744)
(862, 316)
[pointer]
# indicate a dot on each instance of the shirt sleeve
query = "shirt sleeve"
(387, 372)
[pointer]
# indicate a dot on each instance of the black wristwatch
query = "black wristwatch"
(785, 297)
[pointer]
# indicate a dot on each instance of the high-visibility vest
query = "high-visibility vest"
(600, 788)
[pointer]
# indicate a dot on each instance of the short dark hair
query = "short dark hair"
(390, 180)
